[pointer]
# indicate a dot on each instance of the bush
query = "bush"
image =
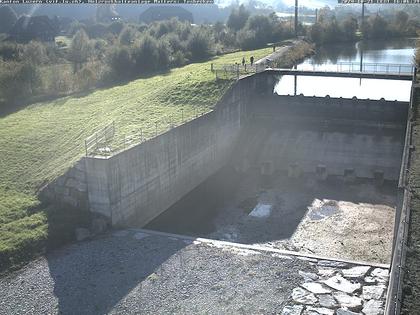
(199, 44)
(127, 35)
(121, 63)
(146, 55)
(246, 39)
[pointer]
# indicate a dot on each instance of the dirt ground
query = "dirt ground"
(333, 219)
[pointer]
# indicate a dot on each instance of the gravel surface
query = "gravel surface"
(132, 272)
(330, 219)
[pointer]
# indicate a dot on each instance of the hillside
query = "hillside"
(40, 142)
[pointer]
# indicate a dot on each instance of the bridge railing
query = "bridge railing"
(353, 67)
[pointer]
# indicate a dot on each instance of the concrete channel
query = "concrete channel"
(316, 178)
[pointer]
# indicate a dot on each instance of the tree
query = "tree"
(121, 63)
(238, 18)
(263, 28)
(146, 55)
(116, 27)
(127, 35)
(79, 49)
(317, 33)
(199, 44)
(348, 28)
(8, 18)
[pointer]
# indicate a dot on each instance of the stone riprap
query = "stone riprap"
(144, 272)
(339, 288)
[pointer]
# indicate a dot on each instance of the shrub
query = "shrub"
(199, 44)
(121, 63)
(246, 39)
(146, 55)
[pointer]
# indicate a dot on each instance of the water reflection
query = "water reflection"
(344, 87)
(399, 51)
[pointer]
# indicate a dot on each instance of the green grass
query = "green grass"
(39, 142)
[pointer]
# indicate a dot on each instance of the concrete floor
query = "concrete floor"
(332, 219)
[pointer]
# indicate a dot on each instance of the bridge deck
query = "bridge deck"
(365, 75)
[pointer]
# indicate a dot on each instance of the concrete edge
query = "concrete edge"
(259, 248)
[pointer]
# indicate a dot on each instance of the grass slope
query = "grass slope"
(40, 142)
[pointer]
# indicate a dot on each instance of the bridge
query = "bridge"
(342, 69)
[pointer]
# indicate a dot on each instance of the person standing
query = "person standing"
(251, 60)
(243, 61)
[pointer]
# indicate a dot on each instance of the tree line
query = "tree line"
(98, 54)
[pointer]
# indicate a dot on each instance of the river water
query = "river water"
(370, 56)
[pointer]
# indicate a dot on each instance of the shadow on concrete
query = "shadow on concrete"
(92, 277)
(219, 208)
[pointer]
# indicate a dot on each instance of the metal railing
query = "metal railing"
(353, 67)
(101, 140)
(226, 71)
(109, 140)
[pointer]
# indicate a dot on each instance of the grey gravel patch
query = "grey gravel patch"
(152, 275)
(140, 235)
(121, 233)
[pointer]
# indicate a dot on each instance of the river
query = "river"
(369, 56)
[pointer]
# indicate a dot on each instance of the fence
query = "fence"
(380, 68)
(108, 140)
(235, 70)
(100, 141)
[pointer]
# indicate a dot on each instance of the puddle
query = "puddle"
(321, 209)
(261, 211)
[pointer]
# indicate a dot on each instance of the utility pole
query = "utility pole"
(296, 18)
(363, 19)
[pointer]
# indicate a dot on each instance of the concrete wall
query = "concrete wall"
(138, 184)
(250, 127)
(340, 134)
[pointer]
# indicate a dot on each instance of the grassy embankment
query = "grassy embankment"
(41, 141)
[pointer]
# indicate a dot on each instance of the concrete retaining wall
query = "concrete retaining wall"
(138, 184)
(249, 126)
(364, 136)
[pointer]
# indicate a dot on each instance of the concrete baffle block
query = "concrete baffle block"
(266, 169)
(349, 175)
(378, 177)
(293, 171)
(242, 166)
(321, 172)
